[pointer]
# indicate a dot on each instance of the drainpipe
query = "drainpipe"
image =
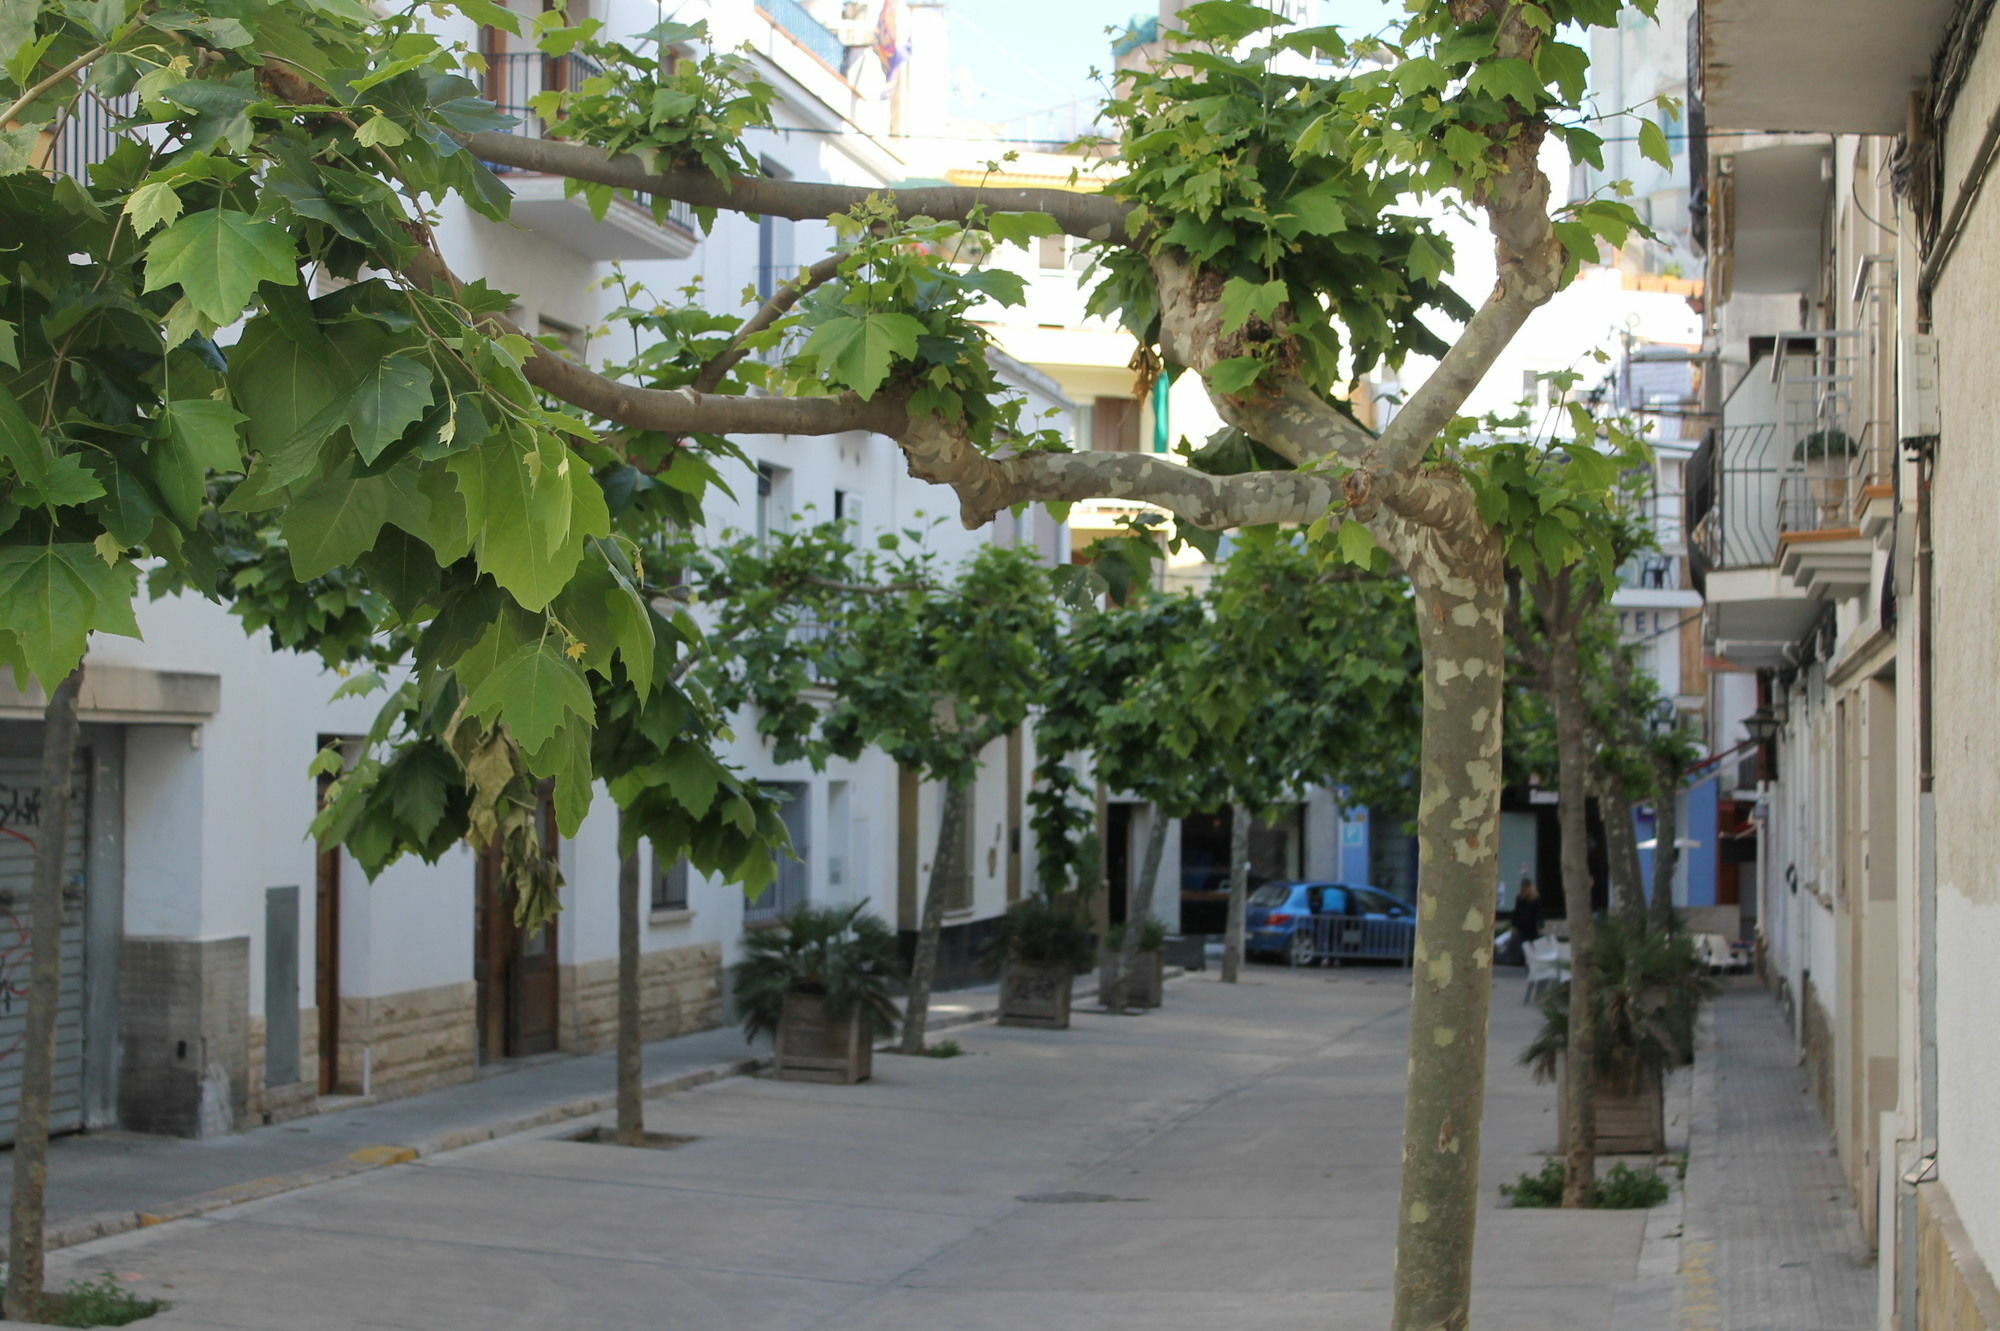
(1925, 1168)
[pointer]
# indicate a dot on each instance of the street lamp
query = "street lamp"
(1761, 726)
(1665, 717)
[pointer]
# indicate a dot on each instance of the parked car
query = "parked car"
(1357, 922)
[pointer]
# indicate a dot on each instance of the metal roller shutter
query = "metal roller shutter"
(20, 807)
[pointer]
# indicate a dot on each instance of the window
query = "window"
(1114, 425)
(773, 502)
(789, 891)
(569, 339)
(670, 881)
(1050, 251)
(776, 261)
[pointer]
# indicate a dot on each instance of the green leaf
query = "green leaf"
(21, 443)
(521, 502)
(1020, 228)
(1511, 78)
(1567, 67)
(534, 691)
(198, 436)
(378, 131)
(52, 597)
(333, 523)
(396, 393)
(567, 758)
(152, 204)
(64, 483)
(218, 257)
(1357, 543)
(1241, 299)
(1427, 261)
(1226, 22)
(1653, 145)
(17, 149)
(858, 350)
(1233, 376)
(1320, 210)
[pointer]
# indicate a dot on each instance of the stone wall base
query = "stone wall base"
(408, 1043)
(1955, 1292)
(268, 1102)
(680, 990)
(183, 1035)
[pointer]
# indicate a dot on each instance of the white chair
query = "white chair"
(1546, 965)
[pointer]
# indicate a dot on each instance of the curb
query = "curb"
(106, 1224)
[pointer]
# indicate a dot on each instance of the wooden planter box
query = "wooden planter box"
(1144, 987)
(1628, 1123)
(811, 1047)
(1035, 995)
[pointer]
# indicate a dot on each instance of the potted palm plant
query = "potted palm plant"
(1650, 986)
(1147, 983)
(1042, 945)
(821, 982)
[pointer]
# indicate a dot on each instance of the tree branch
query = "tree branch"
(679, 411)
(772, 310)
(937, 452)
(1089, 216)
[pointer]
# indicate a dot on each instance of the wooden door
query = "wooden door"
(326, 962)
(513, 969)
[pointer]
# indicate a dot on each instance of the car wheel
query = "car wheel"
(1300, 951)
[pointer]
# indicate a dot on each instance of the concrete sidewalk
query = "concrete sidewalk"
(1229, 1160)
(1772, 1242)
(106, 1183)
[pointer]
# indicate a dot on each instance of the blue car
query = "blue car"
(1355, 921)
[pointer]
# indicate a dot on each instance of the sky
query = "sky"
(1027, 62)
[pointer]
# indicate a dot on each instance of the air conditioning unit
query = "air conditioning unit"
(1917, 406)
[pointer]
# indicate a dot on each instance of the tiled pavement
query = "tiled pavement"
(1771, 1241)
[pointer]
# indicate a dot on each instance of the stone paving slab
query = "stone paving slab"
(1772, 1240)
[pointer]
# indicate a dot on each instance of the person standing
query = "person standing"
(1527, 912)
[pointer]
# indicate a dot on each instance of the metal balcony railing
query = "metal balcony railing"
(89, 133)
(807, 31)
(514, 79)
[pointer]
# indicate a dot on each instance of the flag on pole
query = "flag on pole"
(892, 43)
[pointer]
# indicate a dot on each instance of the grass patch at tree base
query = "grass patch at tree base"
(1621, 1188)
(99, 1302)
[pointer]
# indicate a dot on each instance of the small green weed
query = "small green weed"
(1623, 1189)
(944, 1049)
(1620, 1189)
(100, 1302)
(1543, 1189)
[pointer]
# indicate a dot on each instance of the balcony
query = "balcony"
(635, 226)
(1779, 495)
(812, 36)
(1816, 65)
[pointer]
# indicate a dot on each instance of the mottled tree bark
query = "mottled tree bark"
(1573, 763)
(1666, 840)
(1239, 878)
(631, 1126)
(1621, 846)
(1138, 909)
(947, 866)
(25, 1235)
(1461, 596)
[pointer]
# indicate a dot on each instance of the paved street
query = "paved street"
(1228, 1161)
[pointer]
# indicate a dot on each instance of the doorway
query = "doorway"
(513, 969)
(326, 958)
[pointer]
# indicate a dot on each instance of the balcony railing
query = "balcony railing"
(807, 31)
(89, 133)
(516, 78)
